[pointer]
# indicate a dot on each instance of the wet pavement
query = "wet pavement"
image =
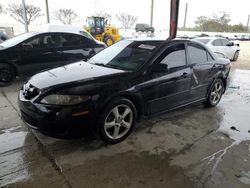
(190, 147)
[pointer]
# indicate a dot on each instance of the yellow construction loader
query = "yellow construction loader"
(98, 28)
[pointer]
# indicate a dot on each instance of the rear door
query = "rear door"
(202, 64)
(228, 48)
(172, 87)
(40, 52)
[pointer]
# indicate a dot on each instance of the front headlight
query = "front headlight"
(63, 99)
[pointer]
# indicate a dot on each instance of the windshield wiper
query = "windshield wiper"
(100, 64)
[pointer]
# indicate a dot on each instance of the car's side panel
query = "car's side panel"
(172, 90)
(203, 67)
(81, 48)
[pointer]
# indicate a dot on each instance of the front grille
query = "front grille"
(30, 120)
(29, 91)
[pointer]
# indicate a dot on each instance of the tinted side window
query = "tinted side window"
(175, 56)
(71, 40)
(209, 57)
(197, 54)
(88, 43)
(224, 42)
(216, 42)
(44, 41)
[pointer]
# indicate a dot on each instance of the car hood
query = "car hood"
(76, 72)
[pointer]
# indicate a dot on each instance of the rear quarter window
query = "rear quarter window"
(197, 54)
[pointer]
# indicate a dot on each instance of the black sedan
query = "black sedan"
(29, 53)
(122, 84)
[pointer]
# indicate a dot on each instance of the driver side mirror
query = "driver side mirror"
(230, 44)
(159, 67)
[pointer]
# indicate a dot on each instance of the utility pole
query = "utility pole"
(247, 23)
(152, 12)
(25, 16)
(47, 11)
(185, 18)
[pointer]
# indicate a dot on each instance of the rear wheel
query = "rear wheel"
(7, 75)
(215, 93)
(236, 56)
(117, 121)
(109, 40)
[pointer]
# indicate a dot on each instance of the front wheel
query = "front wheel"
(236, 56)
(117, 121)
(109, 40)
(215, 93)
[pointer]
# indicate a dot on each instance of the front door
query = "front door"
(75, 48)
(170, 88)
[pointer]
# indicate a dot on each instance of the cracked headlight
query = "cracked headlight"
(64, 99)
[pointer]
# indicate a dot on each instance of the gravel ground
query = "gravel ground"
(244, 58)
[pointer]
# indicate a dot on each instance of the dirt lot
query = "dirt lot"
(192, 147)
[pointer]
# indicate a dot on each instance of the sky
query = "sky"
(239, 10)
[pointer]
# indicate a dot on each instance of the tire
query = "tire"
(109, 40)
(7, 75)
(236, 56)
(215, 93)
(113, 127)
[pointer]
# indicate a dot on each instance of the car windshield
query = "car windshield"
(16, 40)
(204, 41)
(125, 55)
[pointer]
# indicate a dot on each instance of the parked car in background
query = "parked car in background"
(125, 82)
(143, 27)
(3, 36)
(29, 53)
(221, 45)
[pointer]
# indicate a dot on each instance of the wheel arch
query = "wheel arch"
(137, 101)
(134, 98)
(13, 67)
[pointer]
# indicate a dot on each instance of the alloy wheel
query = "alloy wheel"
(216, 93)
(118, 121)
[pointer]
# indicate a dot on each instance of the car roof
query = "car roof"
(156, 39)
(61, 28)
(209, 38)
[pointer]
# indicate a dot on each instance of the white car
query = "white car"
(221, 45)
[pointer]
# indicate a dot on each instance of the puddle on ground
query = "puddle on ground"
(130, 170)
(12, 164)
(236, 120)
(12, 138)
(245, 177)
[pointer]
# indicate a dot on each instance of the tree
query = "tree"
(16, 12)
(223, 19)
(106, 15)
(66, 16)
(200, 22)
(127, 20)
